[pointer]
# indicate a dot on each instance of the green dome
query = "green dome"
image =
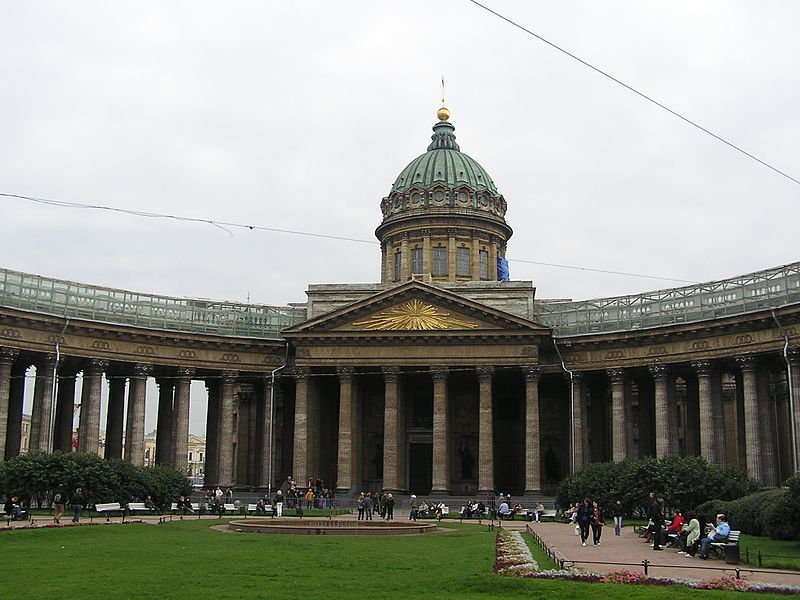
(445, 165)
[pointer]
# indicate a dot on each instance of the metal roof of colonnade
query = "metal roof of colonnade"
(753, 292)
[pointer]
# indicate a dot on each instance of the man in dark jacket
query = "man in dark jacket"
(657, 517)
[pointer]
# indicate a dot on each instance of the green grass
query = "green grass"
(776, 554)
(187, 559)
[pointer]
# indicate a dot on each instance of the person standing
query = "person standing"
(597, 523)
(59, 499)
(413, 505)
(279, 504)
(77, 505)
(657, 517)
(584, 516)
(389, 507)
(618, 514)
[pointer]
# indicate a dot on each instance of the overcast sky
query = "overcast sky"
(299, 116)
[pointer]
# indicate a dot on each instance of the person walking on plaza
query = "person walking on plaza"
(59, 499)
(77, 505)
(584, 517)
(657, 517)
(597, 523)
(618, 514)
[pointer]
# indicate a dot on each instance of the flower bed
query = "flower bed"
(513, 558)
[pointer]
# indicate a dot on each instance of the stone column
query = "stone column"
(16, 399)
(663, 430)
(752, 425)
(267, 457)
(164, 424)
(452, 267)
(493, 258)
(89, 425)
(300, 453)
(42, 404)
(134, 424)
(794, 381)
(180, 421)
(212, 433)
(226, 441)
(115, 416)
(427, 252)
(533, 468)
(475, 257)
(391, 429)
(578, 432)
(7, 356)
(485, 431)
(769, 438)
(344, 477)
(708, 448)
(619, 424)
(441, 433)
(65, 412)
(405, 267)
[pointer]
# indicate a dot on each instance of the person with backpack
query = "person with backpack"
(59, 500)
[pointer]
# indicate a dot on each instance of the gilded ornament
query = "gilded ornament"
(414, 315)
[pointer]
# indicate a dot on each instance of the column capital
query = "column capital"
(793, 355)
(658, 372)
(8, 355)
(345, 373)
(577, 376)
(485, 373)
(746, 362)
(439, 373)
(229, 376)
(185, 372)
(46, 361)
(96, 366)
(702, 367)
(142, 370)
(451, 231)
(390, 374)
(532, 372)
(616, 375)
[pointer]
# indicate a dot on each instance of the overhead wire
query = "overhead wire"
(252, 227)
(630, 88)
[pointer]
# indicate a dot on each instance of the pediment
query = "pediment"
(415, 308)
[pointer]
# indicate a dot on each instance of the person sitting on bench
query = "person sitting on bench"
(14, 510)
(504, 511)
(719, 534)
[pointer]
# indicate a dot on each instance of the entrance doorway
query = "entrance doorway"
(420, 468)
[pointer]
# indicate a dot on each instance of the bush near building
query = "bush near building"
(35, 476)
(771, 513)
(685, 482)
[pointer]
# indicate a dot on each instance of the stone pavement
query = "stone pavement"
(631, 550)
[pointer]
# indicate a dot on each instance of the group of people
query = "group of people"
(369, 504)
(14, 510)
(585, 515)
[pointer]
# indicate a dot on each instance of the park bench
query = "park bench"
(252, 509)
(106, 508)
(728, 550)
(136, 507)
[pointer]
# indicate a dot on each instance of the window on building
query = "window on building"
(398, 263)
(439, 261)
(484, 256)
(462, 262)
(416, 260)
(190, 457)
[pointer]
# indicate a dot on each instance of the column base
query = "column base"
(532, 491)
(440, 492)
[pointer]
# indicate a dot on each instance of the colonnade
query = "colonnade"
(732, 411)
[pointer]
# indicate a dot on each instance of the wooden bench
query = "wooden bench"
(107, 508)
(134, 507)
(727, 550)
(253, 509)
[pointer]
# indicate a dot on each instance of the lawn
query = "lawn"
(187, 559)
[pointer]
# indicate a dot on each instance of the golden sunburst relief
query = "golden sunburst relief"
(414, 315)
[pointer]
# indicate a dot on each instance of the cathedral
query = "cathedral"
(446, 377)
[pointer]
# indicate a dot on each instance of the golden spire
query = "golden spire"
(443, 113)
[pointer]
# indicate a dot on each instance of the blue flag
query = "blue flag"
(502, 269)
